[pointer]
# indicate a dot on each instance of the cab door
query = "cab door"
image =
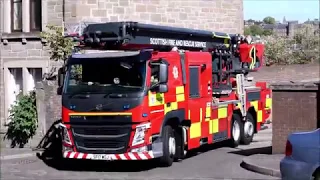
(198, 75)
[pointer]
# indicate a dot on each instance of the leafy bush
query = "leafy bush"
(60, 48)
(23, 120)
(302, 48)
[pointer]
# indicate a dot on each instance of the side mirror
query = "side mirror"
(163, 88)
(60, 80)
(163, 73)
(60, 76)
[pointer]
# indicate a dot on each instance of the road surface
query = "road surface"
(218, 162)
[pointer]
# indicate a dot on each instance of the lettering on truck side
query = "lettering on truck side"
(181, 43)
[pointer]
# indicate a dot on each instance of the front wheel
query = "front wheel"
(169, 146)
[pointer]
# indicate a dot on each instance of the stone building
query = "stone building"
(23, 56)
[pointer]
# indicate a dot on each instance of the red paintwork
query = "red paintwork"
(245, 55)
(155, 114)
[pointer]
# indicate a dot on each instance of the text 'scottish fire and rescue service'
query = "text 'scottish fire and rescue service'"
(181, 43)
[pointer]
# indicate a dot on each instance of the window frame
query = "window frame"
(32, 19)
(12, 16)
(198, 83)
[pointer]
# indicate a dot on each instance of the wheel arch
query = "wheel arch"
(175, 118)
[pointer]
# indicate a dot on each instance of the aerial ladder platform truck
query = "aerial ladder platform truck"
(139, 91)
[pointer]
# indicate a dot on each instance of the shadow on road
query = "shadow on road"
(249, 152)
(207, 148)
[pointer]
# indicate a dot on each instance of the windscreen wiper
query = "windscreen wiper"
(80, 95)
(116, 95)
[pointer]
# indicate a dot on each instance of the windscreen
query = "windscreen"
(112, 75)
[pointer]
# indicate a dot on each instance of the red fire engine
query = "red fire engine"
(138, 91)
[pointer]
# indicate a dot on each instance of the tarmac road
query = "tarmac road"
(216, 163)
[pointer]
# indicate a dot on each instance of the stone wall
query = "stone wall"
(295, 107)
(48, 105)
(217, 15)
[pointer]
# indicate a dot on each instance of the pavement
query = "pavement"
(263, 164)
(7, 153)
(294, 73)
(213, 162)
(15, 153)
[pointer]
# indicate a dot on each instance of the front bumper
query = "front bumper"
(156, 152)
(111, 157)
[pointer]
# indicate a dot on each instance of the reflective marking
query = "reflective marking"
(101, 114)
(179, 89)
(208, 112)
(268, 103)
(259, 116)
(195, 130)
(180, 97)
(142, 156)
(214, 126)
(173, 106)
(72, 154)
(156, 111)
(222, 112)
(132, 156)
(122, 156)
(80, 155)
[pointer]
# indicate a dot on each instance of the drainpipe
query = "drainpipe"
(63, 10)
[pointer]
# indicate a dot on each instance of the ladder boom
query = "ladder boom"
(124, 35)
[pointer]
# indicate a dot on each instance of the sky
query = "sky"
(299, 10)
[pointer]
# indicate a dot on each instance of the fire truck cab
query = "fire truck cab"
(139, 91)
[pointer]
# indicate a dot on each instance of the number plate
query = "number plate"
(102, 157)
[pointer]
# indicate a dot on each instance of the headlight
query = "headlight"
(140, 134)
(65, 135)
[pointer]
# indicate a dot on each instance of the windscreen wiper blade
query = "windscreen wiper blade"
(80, 95)
(117, 95)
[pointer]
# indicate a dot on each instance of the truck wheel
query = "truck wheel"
(235, 130)
(247, 132)
(169, 146)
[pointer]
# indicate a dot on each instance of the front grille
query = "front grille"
(102, 135)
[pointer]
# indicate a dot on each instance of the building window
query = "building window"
(16, 15)
(35, 15)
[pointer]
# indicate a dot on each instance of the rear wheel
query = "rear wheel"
(169, 146)
(316, 175)
(235, 130)
(247, 132)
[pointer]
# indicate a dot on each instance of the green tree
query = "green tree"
(256, 30)
(269, 20)
(60, 48)
(247, 31)
(267, 32)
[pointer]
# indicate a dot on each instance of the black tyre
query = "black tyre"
(169, 147)
(247, 130)
(235, 130)
(316, 175)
